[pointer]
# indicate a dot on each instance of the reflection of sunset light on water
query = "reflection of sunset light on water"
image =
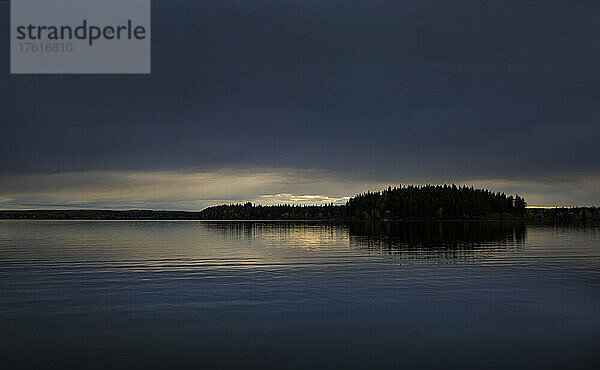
(311, 238)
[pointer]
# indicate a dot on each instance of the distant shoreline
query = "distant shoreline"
(533, 214)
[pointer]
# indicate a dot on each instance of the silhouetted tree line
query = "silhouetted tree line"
(248, 211)
(404, 202)
(434, 202)
(563, 215)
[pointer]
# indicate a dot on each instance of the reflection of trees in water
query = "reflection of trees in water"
(311, 235)
(436, 239)
(416, 239)
(232, 229)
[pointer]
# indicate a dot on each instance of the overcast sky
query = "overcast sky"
(270, 101)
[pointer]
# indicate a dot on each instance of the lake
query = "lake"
(158, 294)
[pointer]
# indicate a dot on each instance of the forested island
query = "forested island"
(435, 202)
(400, 203)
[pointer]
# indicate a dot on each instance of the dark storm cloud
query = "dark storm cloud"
(465, 89)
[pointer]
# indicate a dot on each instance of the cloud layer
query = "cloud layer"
(362, 93)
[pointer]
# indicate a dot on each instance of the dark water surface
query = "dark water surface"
(298, 295)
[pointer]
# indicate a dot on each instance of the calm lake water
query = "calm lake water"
(298, 295)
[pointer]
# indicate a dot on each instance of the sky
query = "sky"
(315, 101)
